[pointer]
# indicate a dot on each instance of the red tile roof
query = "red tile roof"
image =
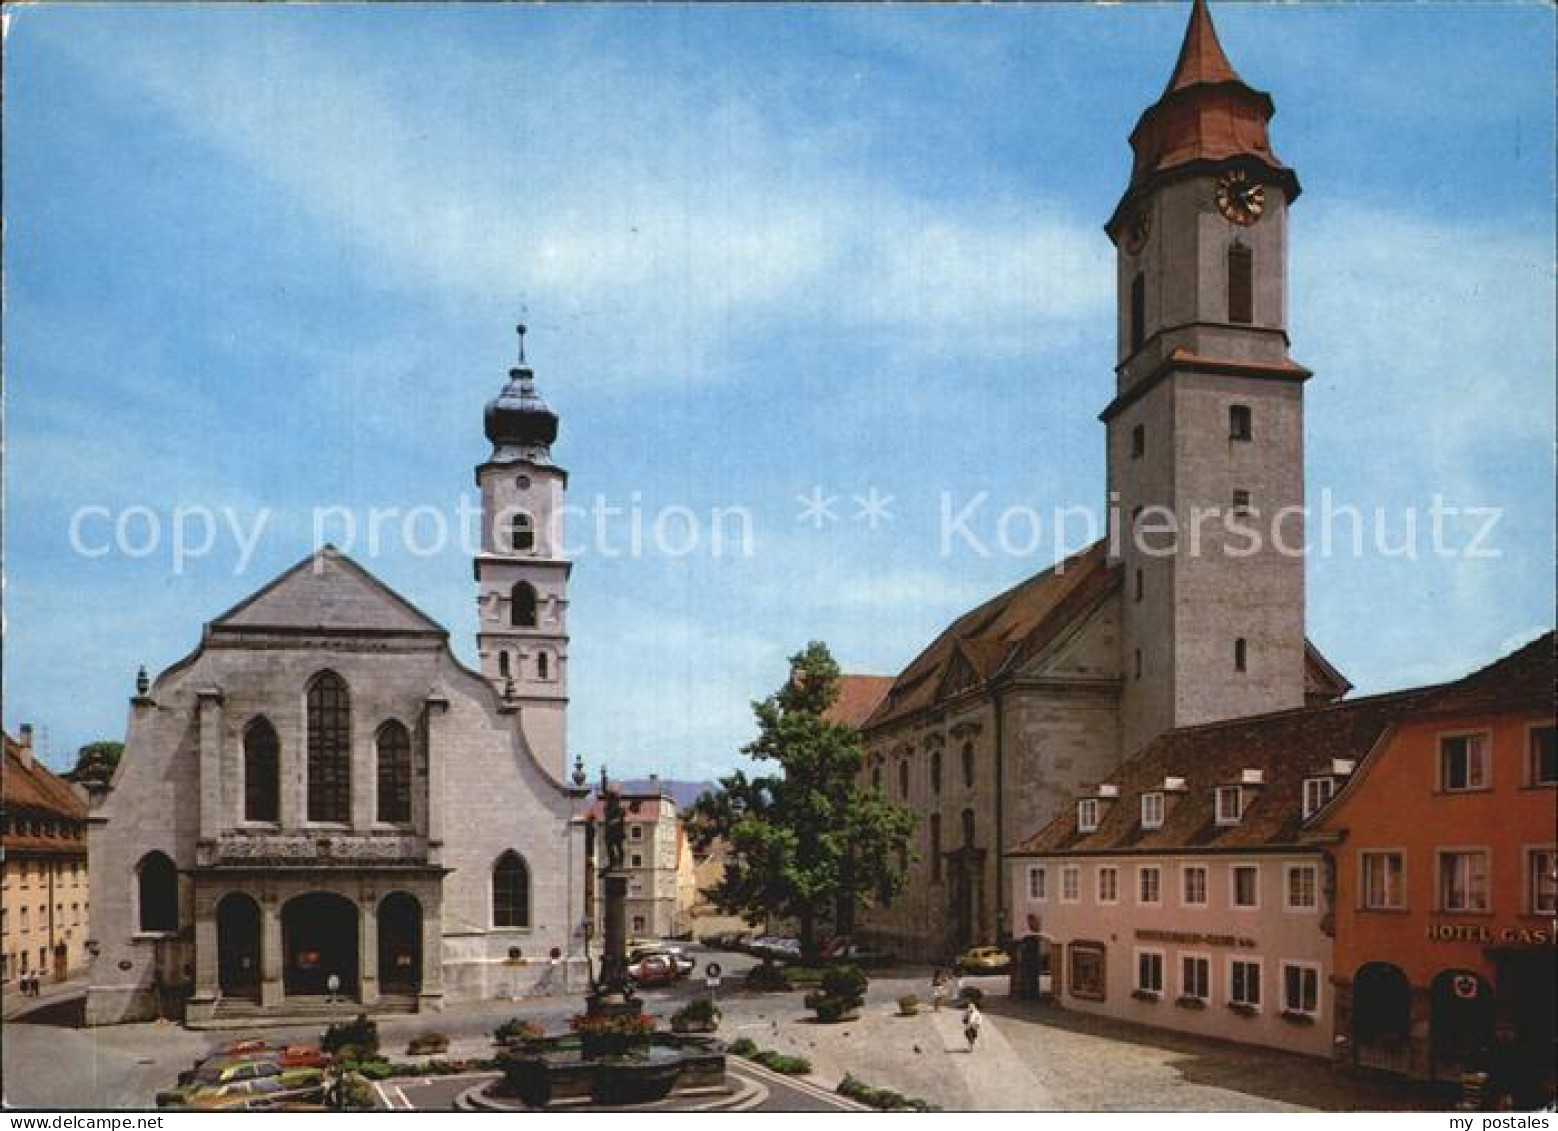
(859, 695)
(31, 791)
(1520, 681)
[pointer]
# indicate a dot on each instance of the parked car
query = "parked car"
(984, 960)
(263, 1094)
(218, 1076)
(657, 969)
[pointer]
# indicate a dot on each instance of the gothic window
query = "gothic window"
(543, 666)
(1138, 311)
(157, 886)
(510, 891)
(935, 847)
(968, 828)
(1241, 284)
(968, 764)
(903, 778)
(1240, 422)
(1138, 441)
(522, 605)
(261, 772)
(329, 749)
(1240, 654)
(522, 533)
(503, 664)
(394, 743)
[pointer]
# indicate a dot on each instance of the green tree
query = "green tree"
(806, 840)
(96, 761)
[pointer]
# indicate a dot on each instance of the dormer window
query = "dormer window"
(1152, 810)
(1230, 804)
(1087, 815)
(1317, 791)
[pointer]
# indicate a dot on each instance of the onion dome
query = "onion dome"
(1206, 117)
(519, 423)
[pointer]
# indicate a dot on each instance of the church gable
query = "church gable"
(1086, 649)
(327, 592)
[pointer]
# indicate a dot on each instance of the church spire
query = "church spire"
(1201, 56)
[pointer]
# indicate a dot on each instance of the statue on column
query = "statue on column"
(616, 823)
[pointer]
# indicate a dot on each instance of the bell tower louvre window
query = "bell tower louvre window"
(1241, 284)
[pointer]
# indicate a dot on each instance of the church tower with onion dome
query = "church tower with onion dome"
(521, 573)
(1206, 428)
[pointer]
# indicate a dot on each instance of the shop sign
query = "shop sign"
(1482, 933)
(1196, 938)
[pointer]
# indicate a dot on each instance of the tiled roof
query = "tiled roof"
(1284, 747)
(1006, 630)
(34, 789)
(859, 695)
(1522, 680)
(637, 806)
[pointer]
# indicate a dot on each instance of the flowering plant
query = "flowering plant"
(608, 1025)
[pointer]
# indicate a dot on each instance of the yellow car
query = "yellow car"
(985, 960)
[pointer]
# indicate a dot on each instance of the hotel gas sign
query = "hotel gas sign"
(1483, 933)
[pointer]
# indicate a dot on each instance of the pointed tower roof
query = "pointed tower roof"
(1206, 117)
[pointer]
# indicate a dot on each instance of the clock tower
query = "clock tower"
(1205, 432)
(521, 573)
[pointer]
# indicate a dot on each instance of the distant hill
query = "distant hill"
(684, 793)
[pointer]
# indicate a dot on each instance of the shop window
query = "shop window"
(1463, 762)
(1463, 881)
(1384, 881)
(1087, 970)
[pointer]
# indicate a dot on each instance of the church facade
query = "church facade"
(1025, 701)
(321, 801)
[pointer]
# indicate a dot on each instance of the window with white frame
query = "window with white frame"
(1244, 982)
(1152, 810)
(1544, 756)
(1194, 884)
(1302, 888)
(1542, 869)
(1036, 883)
(1300, 988)
(1230, 804)
(1149, 971)
(636, 832)
(1246, 885)
(1070, 884)
(1383, 880)
(1463, 762)
(1087, 815)
(1108, 884)
(1149, 885)
(1195, 977)
(1317, 791)
(1463, 880)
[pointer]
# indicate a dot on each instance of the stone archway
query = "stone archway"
(238, 946)
(400, 944)
(1382, 1017)
(319, 938)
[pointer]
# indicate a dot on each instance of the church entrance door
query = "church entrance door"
(319, 933)
(238, 946)
(400, 944)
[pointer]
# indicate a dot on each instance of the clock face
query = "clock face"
(1240, 198)
(1137, 230)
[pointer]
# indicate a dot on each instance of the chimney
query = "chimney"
(24, 745)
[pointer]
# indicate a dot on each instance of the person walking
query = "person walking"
(938, 989)
(972, 1020)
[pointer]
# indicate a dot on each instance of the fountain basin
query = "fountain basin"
(559, 1070)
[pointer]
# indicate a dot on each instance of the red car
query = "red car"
(653, 970)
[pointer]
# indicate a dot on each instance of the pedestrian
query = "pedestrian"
(332, 987)
(32, 985)
(959, 987)
(938, 989)
(972, 1020)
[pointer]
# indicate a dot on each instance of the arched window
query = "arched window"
(510, 891)
(157, 888)
(329, 749)
(503, 664)
(543, 666)
(394, 743)
(903, 778)
(968, 828)
(522, 533)
(968, 764)
(935, 771)
(261, 772)
(1241, 284)
(522, 605)
(935, 847)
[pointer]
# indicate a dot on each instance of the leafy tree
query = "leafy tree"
(96, 761)
(806, 841)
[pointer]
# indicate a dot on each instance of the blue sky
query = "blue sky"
(271, 257)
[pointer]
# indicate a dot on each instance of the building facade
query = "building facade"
(45, 905)
(1047, 687)
(322, 793)
(1443, 851)
(657, 862)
